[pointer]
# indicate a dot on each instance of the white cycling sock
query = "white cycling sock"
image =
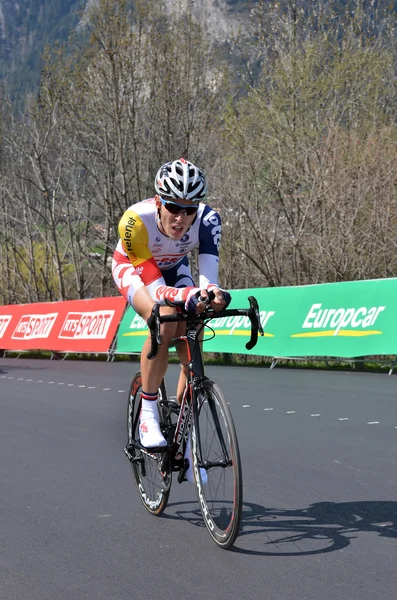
(149, 406)
(149, 430)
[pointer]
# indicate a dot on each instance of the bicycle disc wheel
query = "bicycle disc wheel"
(152, 472)
(217, 465)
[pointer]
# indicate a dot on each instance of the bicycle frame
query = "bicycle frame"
(189, 406)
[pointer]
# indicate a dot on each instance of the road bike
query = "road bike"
(200, 429)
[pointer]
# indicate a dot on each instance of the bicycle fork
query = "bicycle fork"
(226, 460)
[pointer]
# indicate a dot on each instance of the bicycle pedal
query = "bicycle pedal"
(152, 450)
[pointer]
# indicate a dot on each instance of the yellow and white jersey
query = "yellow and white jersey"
(145, 256)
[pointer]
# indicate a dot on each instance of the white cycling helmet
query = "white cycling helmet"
(181, 180)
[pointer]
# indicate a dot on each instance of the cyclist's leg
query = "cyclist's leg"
(183, 358)
(180, 276)
(152, 372)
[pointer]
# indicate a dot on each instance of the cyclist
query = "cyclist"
(150, 265)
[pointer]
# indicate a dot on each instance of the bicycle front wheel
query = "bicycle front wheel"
(217, 465)
(152, 471)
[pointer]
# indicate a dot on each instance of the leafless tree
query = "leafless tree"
(313, 143)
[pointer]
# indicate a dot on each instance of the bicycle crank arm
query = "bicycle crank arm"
(220, 463)
(181, 474)
(131, 457)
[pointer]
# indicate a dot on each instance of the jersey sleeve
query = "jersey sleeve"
(135, 243)
(209, 241)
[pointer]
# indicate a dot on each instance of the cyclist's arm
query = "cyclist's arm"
(209, 241)
(210, 237)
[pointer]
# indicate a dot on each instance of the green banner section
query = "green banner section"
(336, 319)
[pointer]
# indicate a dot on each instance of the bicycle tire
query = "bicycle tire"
(153, 483)
(221, 497)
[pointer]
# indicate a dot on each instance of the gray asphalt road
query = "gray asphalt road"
(320, 489)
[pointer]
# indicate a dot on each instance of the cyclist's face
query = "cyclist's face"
(174, 226)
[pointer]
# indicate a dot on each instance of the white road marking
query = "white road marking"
(339, 462)
(93, 387)
(355, 469)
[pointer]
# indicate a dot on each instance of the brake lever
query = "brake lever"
(256, 326)
(255, 307)
(153, 323)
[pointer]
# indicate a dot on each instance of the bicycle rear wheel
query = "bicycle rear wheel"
(216, 458)
(152, 470)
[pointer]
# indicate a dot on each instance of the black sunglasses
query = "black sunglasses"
(177, 209)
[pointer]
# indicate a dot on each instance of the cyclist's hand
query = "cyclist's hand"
(202, 301)
(222, 299)
(196, 301)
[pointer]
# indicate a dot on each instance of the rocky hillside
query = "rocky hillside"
(26, 26)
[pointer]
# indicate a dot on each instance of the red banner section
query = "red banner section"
(72, 326)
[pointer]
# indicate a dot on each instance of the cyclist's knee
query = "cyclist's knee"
(185, 369)
(167, 332)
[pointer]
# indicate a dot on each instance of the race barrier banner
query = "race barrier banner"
(70, 326)
(348, 319)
